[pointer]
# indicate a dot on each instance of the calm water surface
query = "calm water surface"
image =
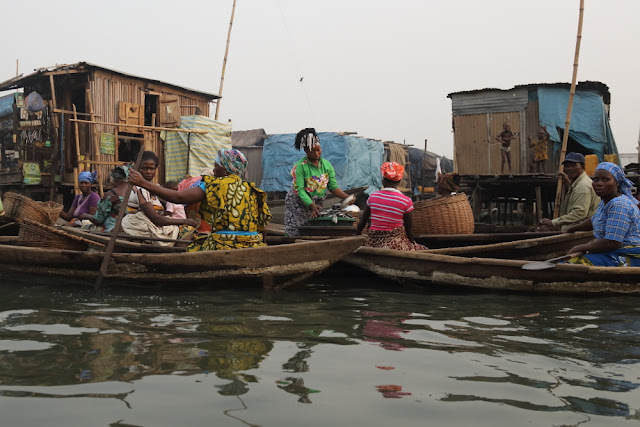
(330, 355)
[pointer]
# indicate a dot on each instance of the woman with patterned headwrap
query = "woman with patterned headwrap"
(108, 208)
(448, 183)
(615, 225)
(235, 209)
(390, 214)
(312, 176)
(86, 201)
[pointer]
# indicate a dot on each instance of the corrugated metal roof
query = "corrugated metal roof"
(489, 101)
(248, 138)
(16, 82)
(602, 88)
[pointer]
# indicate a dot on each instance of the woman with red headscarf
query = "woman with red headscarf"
(389, 212)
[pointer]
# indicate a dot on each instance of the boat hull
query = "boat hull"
(436, 270)
(274, 267)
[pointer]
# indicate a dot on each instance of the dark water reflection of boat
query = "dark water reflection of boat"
(371, 353)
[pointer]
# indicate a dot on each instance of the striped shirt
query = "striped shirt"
(388, 207)
(617, 220)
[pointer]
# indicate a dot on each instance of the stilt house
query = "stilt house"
(478, 117)
(69, 118)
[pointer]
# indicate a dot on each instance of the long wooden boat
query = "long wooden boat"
(437, 241)
(273, 267)
(436, 270)
(529, 248)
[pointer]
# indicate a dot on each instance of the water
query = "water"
(329, 355)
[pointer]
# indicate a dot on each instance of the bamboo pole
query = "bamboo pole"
(141, 127)
(76, 187)
(567, 122)
(112, 241)
(224, 62)
(96, 144)
(55, 161)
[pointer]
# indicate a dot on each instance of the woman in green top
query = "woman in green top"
(312, 176)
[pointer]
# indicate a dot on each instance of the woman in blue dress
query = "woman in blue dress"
(615, 225)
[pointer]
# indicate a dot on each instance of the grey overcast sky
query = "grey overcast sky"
(381, 68)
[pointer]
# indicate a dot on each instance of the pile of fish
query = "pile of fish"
(336, 212)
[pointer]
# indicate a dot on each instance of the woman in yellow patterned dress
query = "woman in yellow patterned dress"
(236, 209)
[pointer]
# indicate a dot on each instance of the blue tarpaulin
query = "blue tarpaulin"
(356, 160)
(589, 125)
(6, 104)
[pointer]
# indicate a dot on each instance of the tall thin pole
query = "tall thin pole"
(567, 122)
(224, 63)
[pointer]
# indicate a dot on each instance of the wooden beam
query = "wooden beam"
(152, 128)
(59, 110)
(57, 73)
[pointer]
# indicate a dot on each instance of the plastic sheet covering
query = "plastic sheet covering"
(421, 164)
(201, 148)
(6, 104)
(356, 160)
(589, 121)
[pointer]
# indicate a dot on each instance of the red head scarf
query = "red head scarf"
(392, 171)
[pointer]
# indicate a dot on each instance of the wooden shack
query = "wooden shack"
(92, 119)
(478, 117)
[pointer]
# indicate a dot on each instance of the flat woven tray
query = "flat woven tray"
(35, 234)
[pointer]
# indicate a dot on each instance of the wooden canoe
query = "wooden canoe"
(436, 270)
(273, 267)
(437, 241)
(539, 248)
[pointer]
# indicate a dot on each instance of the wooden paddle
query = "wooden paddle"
(550, 263)
(112, 242)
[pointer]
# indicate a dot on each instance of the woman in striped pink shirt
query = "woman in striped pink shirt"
(389, 213)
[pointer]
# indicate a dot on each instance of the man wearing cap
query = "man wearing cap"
(579, 203)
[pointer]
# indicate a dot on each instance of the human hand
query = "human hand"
(546, 221)
(192, 222)
(577, 248)
(314, 210)
(135, 177)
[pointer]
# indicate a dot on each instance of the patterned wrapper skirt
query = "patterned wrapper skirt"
(393, 239)
(296, 213)
(624, 257)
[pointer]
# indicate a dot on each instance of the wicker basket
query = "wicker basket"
(19, 207)
(52, 209)
(38, 235)
(443, 215)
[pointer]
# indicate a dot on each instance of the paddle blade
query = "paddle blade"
(550, 263)
(538, 265)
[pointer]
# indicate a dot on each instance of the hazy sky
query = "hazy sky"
(381, 68)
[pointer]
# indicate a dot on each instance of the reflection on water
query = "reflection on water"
(330, 355)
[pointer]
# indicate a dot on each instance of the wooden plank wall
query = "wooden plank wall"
(476, 149)
(108, 90)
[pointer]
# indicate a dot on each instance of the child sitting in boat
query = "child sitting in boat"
(389, 212)
(173, 210)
